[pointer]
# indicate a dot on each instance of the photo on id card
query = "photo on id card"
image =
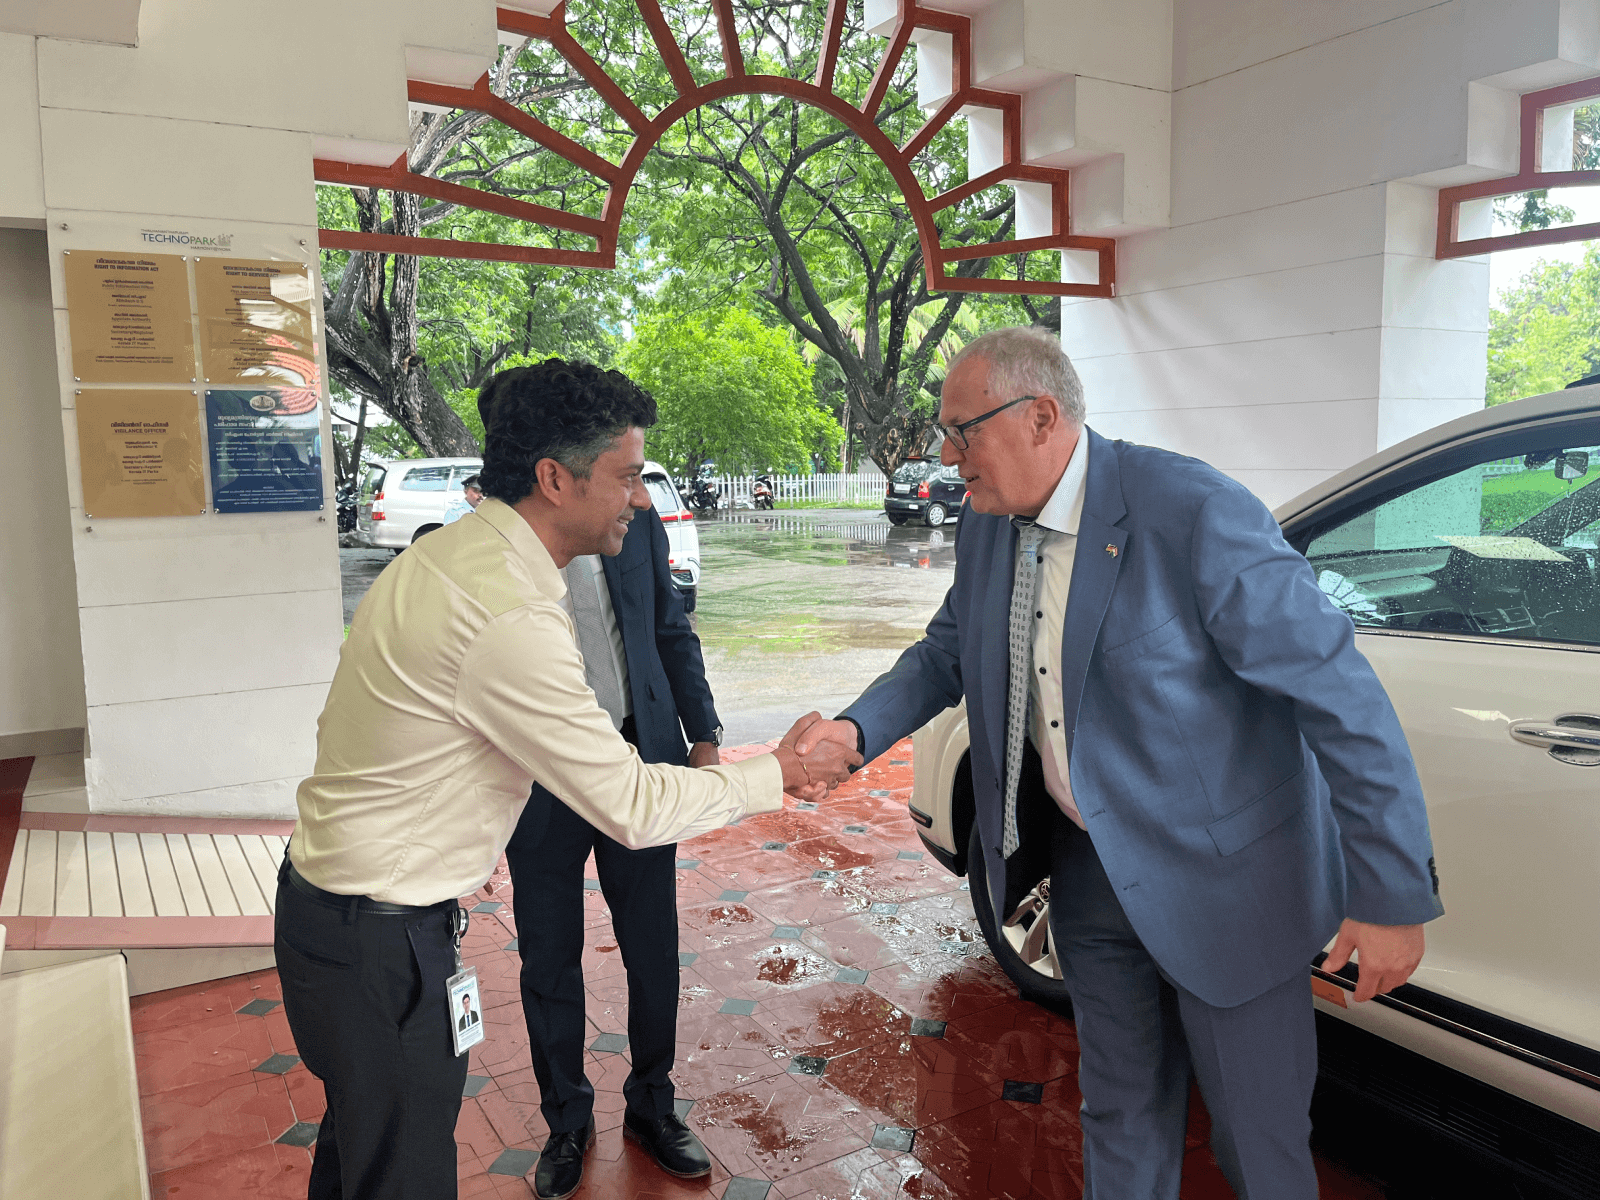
(466, 1018)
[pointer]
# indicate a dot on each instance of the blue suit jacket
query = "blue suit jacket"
(1237, 763)
(666, 673)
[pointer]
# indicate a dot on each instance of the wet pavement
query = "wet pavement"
(798, 609)
(843, 1032)
(802, 609)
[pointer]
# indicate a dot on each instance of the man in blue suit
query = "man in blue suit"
(643, 663)
(1171, 721)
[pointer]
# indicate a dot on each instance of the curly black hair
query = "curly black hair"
(568, 411)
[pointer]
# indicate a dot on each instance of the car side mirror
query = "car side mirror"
(1572, 465)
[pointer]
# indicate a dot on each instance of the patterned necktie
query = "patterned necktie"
(1024, 583)
(594, 639)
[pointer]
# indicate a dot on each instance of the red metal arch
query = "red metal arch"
(691, 95)
(1530, 177)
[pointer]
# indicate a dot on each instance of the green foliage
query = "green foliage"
(731, 391)
(1545, 332)
(1509, 500)
(754, 203)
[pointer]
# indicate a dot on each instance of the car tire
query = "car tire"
(935, 516)
(896, 518)
(423, 532)
(1032, 984)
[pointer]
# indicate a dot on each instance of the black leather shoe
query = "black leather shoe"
(560, 1168)
(676, 1150)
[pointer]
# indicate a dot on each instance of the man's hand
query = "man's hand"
(821, 765)
(1386, 954)
(811, 729)
(704, 754)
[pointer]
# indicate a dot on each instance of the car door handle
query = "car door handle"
(1575, 731)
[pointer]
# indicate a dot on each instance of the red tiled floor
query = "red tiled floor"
(211, 1121)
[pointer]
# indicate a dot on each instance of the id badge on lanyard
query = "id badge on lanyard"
(461, 993)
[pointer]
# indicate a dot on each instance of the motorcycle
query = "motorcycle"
(702, 495)
(762, 492)
(344, 499)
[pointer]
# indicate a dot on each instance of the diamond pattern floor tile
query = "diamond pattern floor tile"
(842, 1031)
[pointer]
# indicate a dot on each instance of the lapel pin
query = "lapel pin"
(1111, 550)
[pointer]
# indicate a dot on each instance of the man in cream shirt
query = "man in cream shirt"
(459, 686)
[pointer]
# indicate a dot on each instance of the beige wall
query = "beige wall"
(195, 650)
(41, 665)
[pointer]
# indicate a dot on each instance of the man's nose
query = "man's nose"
(639, 497)
(949, 455)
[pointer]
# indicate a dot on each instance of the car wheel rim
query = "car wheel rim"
(1027, 931)
(936, 515)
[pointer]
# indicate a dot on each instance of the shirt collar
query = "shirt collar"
(541, 567)
(1065, 506)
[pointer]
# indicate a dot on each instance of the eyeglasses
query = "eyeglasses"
(958, 433)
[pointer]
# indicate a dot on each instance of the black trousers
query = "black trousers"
(546, 856)
(365, 997)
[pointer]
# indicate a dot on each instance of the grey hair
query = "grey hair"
(1027, 360)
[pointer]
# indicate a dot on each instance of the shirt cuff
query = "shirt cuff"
(763, 783)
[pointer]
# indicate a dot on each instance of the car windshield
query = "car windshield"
(915, 470)
(662, 493)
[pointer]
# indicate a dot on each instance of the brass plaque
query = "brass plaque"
(256, 325)
(140, 453)
(129, 316)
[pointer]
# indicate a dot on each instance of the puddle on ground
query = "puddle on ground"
(844, 539)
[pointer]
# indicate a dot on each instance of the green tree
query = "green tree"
(731, 391)
(751, 202)
(1545, 331)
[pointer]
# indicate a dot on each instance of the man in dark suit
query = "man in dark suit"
(1170, 720)
(643, 663)
(468, 1017)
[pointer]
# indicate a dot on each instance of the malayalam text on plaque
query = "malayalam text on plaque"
(140, 453)
(129, 317)
(256, 323)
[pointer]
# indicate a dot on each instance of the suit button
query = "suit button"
(1041, 670)
(1055, 724)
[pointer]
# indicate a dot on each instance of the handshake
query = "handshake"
(817, 756)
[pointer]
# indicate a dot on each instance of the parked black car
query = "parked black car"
(926, 489)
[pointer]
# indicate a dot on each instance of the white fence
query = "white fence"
(862, 487)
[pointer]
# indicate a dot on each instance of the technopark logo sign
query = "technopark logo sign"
(195, 241)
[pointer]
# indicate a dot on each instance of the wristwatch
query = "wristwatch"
(716, 737)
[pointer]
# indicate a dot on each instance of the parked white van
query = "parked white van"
(401, 501)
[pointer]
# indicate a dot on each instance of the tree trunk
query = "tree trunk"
(372, 337)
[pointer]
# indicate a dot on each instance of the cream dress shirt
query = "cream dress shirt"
(593, 574)
(1059, 520)
(459, 686)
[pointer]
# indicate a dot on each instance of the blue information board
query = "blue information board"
(266, 450)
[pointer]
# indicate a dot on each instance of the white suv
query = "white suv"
(683, 539)
(401, 501)
(1467, 559)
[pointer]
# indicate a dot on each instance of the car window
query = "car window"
(373, 483)
(662, 494)
(1503, 548)
(914, 471)
(425, 479)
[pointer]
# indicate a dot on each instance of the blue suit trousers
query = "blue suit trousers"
(1141, 1036)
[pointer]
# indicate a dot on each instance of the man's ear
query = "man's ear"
(552, 480)
(1047, 417)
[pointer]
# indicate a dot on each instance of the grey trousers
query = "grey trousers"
(1140, 1037)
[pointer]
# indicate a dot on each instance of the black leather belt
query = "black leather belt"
(362, 903)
